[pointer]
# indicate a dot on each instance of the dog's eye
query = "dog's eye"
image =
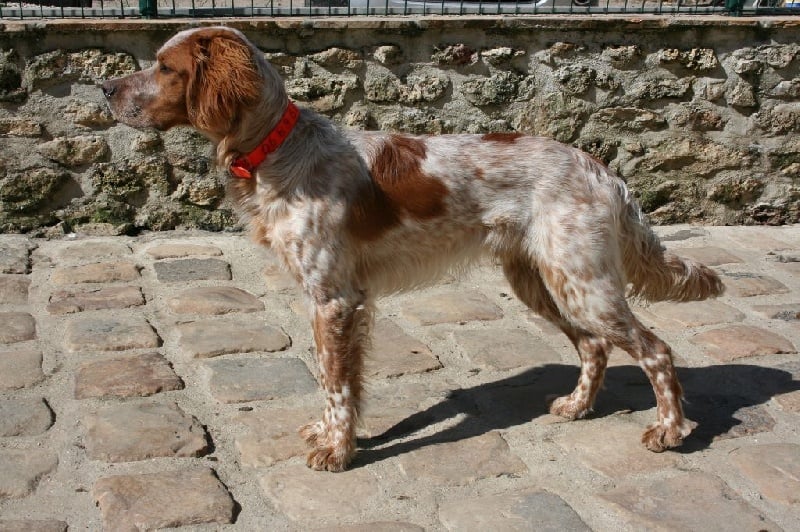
(164, 68)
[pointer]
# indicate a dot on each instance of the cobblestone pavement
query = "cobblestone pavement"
(158, 381)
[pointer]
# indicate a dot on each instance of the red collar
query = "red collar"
(244, 167)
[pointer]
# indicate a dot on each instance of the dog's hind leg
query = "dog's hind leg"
(592, 299)
(341, 327)
(592, 350)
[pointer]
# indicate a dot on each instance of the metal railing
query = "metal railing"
(322, 8)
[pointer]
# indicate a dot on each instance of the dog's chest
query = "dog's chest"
(302, 234)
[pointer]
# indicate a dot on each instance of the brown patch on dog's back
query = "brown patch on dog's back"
(372, 214)
(397, 170)
(399, 189)
(506, 138)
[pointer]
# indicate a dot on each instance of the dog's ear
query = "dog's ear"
(224, 81)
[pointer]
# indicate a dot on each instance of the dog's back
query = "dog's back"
(456, 196)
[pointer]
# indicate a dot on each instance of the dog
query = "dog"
(354, 215)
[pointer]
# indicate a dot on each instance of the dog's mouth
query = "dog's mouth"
(134, 106)
(129, 112)
(124, 109)
(130, 115)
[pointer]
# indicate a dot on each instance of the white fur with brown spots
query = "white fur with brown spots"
(356, 215)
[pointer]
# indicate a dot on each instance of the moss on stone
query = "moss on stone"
(117, 179)
(652, 196)
(736, 191)
(10, 78)
(28, 189)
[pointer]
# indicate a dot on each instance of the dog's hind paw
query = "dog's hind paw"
(659, 437)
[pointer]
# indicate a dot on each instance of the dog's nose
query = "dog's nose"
(108, 89)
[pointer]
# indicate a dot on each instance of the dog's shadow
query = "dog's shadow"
(721, 399)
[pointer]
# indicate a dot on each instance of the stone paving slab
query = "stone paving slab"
(20, 368)
(395, 404)
(101, 272)
(308, 498)
(749, 285)
(136, 431)
(120, 389)
(30, 525)
(162, 500)
(24, 417)
(184, 270)
(277, 279)
(515, 511)
(14, 289)
(249, 379)
(727, 416)
(395, 353)
(214, 300)
(15, 256)
(210, 338)
(451, 308)
(756, 238)
(679, 316)
(110, 334)
(774, 468)
(615, 451)
(21, 471)
(739, 341)
(132, 376)
(16, 327)
(709, 255)
(93, 251)
(75, 300)
(270, 436)
(462, 462)
(688, 501)
(790, 402)
(503, 349)
(792, 268)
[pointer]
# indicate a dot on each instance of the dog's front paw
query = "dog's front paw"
(325, 455)
(659, 437)
(330, 458)
(568, 407)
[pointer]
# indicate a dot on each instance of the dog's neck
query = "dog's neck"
(244, 167)
(313, 141)
(256, 121)
(253, 125)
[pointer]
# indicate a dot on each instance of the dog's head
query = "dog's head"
(204, 77)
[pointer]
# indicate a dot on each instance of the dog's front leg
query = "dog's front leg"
(340, 329)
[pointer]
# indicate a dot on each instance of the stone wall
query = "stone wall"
(699, 115)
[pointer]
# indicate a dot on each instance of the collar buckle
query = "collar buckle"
(241, 169)
(244, 167)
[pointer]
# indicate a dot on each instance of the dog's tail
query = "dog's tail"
(656, 275)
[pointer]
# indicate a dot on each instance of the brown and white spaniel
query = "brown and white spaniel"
(354, 215)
